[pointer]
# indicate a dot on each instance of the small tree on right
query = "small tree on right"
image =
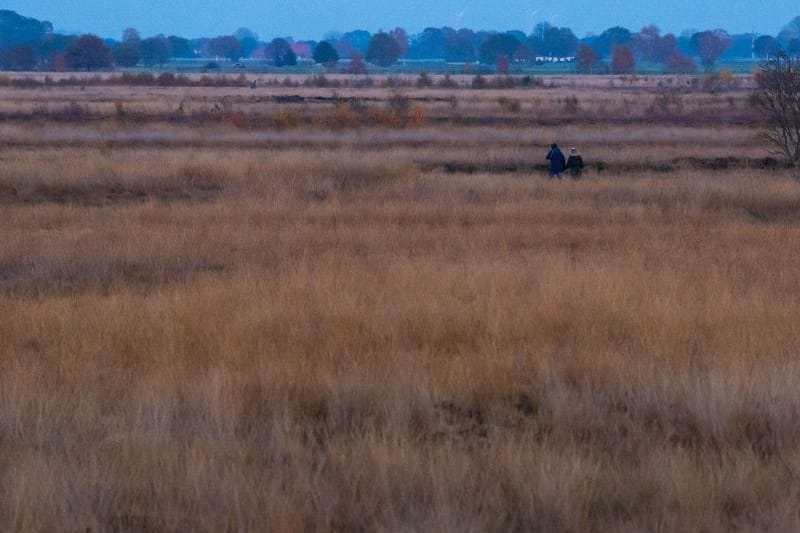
(778, 95)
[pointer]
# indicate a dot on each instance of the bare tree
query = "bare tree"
(778, 95)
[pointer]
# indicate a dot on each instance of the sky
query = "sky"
(311, 19)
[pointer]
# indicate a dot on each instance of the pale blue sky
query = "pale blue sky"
(310, 19)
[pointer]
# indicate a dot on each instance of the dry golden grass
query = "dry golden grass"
(561, 100)
(214, 328)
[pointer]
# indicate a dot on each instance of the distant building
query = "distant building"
(555, 59)
(302, 49)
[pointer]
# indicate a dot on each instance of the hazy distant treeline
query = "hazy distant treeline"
(30, 44)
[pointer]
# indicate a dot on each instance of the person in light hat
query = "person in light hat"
(575, 163)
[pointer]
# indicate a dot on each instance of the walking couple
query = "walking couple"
(558, 163)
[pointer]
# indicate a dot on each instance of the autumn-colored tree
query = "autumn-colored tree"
(383, 50)
(667, 47)
(502, 64)
(681, 64)
(88, 52)
(648, 45)
(622, 61)
(59, 62)
(587, 59)
(645, 43)
(710, 45)
(401, 36)
(357, 65)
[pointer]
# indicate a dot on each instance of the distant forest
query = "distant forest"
(28, 44)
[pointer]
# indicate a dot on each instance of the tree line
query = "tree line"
(27, 44)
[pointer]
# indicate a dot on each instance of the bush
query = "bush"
(452, 102)
(424, 80)
(166, 79)
(529, 81)
(509, 104)
(571, 104)
(347, 115)
(399, 104)
(384, 117)
(479, 82)
(417, 115)
(320, 80)
(447, 83)
(237, 119)
(503, 82)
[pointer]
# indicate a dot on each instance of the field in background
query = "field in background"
(404, 66)
(294, 307)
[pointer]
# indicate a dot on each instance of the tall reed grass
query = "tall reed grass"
(353, 338)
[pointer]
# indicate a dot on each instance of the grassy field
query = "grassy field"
(291, 308)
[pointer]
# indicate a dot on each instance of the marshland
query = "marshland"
(360, 304)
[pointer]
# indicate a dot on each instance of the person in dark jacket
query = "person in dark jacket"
(557, 161)
(575, 163)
